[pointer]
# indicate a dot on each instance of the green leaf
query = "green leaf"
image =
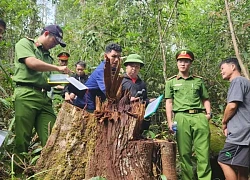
(34, 159)
(37, 150)
(98, 178)
(163, 177)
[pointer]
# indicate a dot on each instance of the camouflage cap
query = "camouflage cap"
(184, 54)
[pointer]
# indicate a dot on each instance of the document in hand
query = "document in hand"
(76, 87)
(153, 106)
(58, 79)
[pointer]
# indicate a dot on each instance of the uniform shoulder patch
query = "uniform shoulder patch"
(30, 39)
(172, 77)
(37, 44)
(198, 76)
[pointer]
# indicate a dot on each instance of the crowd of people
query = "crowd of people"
(187, 101)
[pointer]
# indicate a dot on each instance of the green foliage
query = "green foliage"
(149, 134)
(98, 178)
(32, 156)
(163, 177)
(88, 25)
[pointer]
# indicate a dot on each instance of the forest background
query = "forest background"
(155, 29)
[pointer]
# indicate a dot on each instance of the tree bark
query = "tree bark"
(165, 153)
(81, 147)
(71, 142)
(105, 143)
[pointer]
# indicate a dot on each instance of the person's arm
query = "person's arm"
(207, 105)
(169, 112)
(38, 65)
(230, 110)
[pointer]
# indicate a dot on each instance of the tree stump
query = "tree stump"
(105, 143)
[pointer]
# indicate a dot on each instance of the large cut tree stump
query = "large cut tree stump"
(105, 143)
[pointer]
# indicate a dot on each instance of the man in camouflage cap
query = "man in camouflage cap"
(187, 103)
(134, 84)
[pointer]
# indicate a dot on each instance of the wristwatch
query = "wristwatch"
(210, 114)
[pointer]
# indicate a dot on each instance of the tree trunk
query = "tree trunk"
(165, 153)
(80, 147)
(71, 142)
(105, 143)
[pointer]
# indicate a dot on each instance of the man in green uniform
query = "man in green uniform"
(187, 103)
(63, 58)
(33, 65)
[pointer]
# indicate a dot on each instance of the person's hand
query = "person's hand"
(59, 87)
(69, 97)
(134, 98)
(225, 132)
(64, 69)
(72, 96)
(224, 128)
(170, 125)
(208, 116)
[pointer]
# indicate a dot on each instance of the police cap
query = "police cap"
(184, 54)
(63, 56)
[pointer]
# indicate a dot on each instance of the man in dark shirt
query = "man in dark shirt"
(134, 84)
(70, 92)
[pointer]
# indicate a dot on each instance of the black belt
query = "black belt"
(30, 85)
(193, 111)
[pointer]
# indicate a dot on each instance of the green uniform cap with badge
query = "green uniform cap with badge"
(134, 58)
(184, 54)
(63, 56)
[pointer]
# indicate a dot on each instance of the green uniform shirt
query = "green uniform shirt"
(30, 48)
(186, 93)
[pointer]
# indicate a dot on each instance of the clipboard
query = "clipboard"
(76, 87)
(58, 79)
(153, 106)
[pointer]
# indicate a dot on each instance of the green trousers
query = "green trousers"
(33, 109)
(193, 133)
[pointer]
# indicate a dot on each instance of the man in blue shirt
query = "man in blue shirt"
(95, 82)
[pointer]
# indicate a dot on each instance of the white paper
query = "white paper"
(77, 83)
